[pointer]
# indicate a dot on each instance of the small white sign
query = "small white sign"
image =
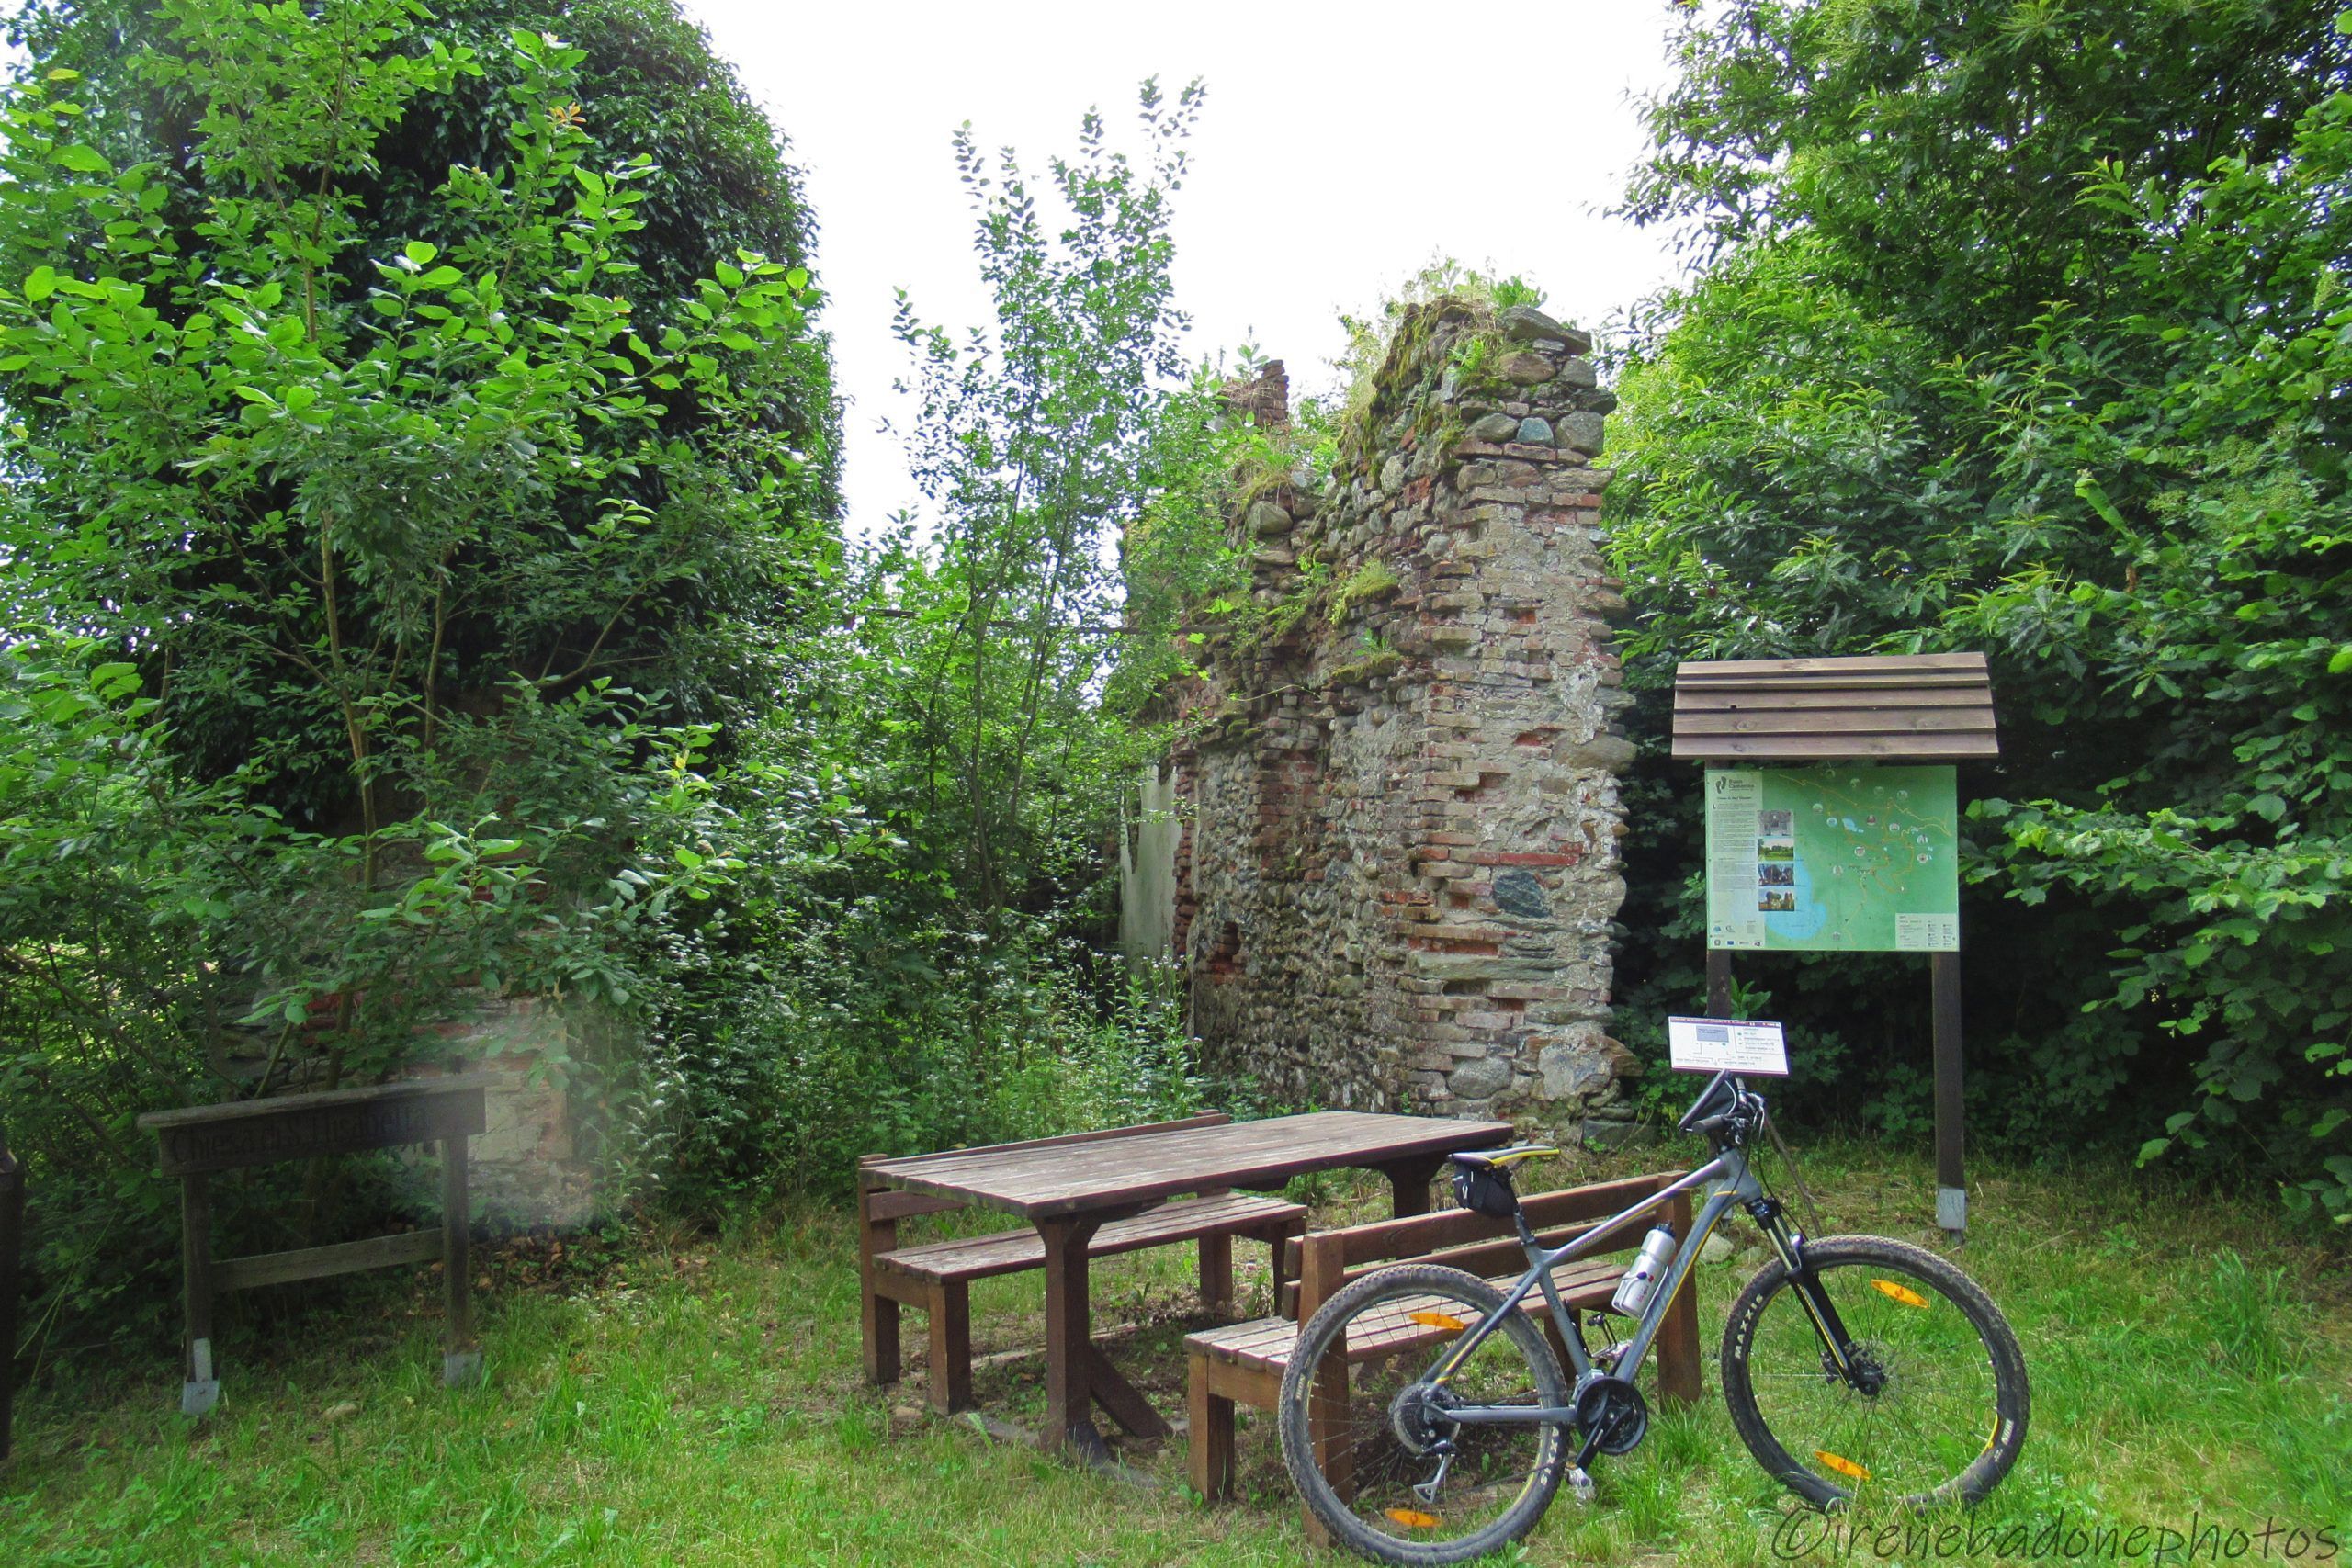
(1927, 933)
(1726, 1044)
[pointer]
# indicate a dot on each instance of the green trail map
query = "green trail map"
(1839, 858)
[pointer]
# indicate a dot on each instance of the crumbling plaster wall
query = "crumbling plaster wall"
(1398, 859)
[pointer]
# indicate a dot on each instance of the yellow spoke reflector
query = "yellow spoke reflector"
(1842, 1465)
(1896, 1293)
(1414, 1519)
(1438, 1320)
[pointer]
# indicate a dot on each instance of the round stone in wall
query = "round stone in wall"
(1572, 1069)
(1479, 1079)
(1517, 892)
(1527, 369)
(1533, 432)
(1525, 323)
(1581, 430)
(1266, 520)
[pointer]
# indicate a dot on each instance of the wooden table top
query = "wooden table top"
(276, 1105)
(1071, 1179)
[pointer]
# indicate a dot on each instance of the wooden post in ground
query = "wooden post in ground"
(1951, 1187)
(1322, 1273)
(199, 1389)
(877, 1314)
(460, 1356)
(1677, 1331)
(950, 1357)
(1718, 983)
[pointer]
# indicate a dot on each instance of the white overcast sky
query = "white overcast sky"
(1341, 148)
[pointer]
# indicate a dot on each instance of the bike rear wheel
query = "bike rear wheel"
(1358, 1420)
(1940, 1412)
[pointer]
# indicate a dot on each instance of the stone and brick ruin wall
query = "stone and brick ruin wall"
(1398, 861)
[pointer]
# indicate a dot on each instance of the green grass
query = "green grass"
(697, 1400)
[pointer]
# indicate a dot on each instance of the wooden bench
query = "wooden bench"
(936, 1278)
(196, 1142)
(1246, 1362)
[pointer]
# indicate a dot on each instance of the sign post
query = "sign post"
(1833, 825)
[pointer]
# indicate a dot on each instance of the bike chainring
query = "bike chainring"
(1612, 1411)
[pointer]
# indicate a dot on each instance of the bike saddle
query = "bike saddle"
(1482, 1178)
(1503, 1159)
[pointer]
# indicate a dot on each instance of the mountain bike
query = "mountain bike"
(1859, 1370)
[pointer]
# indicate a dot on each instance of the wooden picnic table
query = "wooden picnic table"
(1068, 1191)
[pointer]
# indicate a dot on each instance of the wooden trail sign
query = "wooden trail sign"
(197, 1141)
(1832, 824)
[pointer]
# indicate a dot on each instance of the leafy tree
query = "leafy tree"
(2069, 396)
(1937, 148)
(1035, 438)
(703, 179)
(333, 557)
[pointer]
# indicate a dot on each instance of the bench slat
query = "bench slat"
(1266, 1342)
(1014, 1252)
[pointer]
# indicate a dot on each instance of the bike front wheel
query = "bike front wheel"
(1931, 1406)
(1364, 1431)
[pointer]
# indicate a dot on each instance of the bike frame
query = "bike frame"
(1735, 1182)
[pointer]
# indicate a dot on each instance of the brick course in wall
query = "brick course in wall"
(1399, 860)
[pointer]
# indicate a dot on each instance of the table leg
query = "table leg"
(1069, 1357)
(1408, 1183)
(1122, 1399)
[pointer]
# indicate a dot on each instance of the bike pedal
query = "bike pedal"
(1608, 1356)
(1580, 1485)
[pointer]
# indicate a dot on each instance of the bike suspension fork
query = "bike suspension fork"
(1836, 1344)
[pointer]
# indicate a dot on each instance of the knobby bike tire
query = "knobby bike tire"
(1317, 1342)
(1838, 1258)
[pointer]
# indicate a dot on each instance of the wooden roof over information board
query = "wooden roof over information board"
(1920, 707)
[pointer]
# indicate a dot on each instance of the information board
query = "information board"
(1842, 858)
(1726, 1045)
